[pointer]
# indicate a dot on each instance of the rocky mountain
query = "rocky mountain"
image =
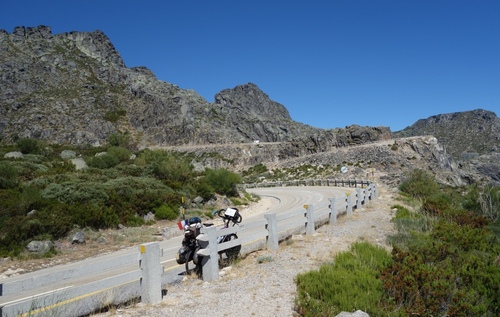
(74, 88)
(472, 138)
(464, 134)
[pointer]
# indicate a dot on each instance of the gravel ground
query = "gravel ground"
(262, 283)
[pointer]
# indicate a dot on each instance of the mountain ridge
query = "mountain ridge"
(476, 131)
(74, 88)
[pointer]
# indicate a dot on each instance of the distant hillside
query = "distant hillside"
(471, 137)
(74, 88)
(462, 133)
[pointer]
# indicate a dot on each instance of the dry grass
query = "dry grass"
(96, 243)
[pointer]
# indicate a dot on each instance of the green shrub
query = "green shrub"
(76, 193)
(446, 275)
(419, 184)
(29, 170)
(436, 204)
(130, 170)
(11, 206)
(450, 270)
(166, 212)
(93, 216)
(103, 161)
(350, 283)
(470, 200)
(401, 212)
(121, 153)
(50, 222)
(408, 224)
(173, 171)
(203, 189)
(30, 199)
(118, 139)
(135, 221)
(255, 170)
(223, 181)
(28, 146)
(8, 175)
(145, 201)
(443, 205)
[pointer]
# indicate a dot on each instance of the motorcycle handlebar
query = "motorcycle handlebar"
(236, 219)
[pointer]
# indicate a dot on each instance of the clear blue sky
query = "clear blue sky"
(330, 63)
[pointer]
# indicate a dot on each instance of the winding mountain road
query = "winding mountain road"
(58, 286)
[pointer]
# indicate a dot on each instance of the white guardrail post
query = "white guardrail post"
(272, 235)
(333, 210)
(210, 259)
(151, 273)
(310, 220)
(359, 200)
(349, 203)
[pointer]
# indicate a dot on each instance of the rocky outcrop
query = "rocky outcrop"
(462, 133)
(74, 88)
(472, 138)
(40, 247)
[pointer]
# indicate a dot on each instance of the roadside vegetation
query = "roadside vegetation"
(445, 259)
(44, 197)
(260, 172)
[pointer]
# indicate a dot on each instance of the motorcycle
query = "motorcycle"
(190, 245)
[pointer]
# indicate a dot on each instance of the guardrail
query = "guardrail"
(142, 274)
(278, 227)
(312, 182)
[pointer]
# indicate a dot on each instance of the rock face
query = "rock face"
(464, 134)
(74, 88)
(472, 138)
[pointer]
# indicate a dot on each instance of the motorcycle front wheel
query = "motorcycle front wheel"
(232, 253)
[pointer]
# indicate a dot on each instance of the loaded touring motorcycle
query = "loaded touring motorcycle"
(190, 245)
